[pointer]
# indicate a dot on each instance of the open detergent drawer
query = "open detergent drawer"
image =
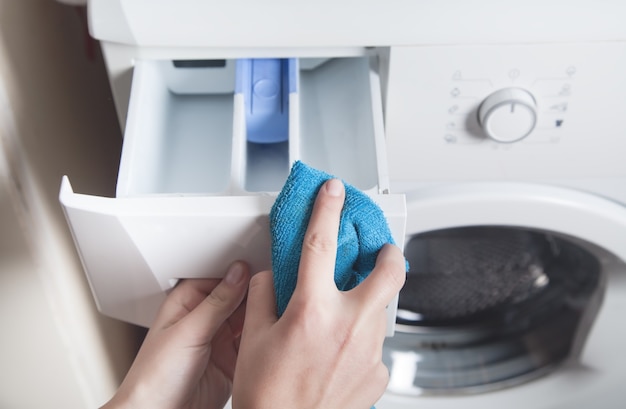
(195, 184)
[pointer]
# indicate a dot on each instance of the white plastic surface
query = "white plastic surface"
(597, 220)
(341, 122)
(175, 143)
(508, 115)
(332, 23)
(135, 249)
(433, 135)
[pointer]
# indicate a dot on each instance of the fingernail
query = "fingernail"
(334, 187)
(234, 273)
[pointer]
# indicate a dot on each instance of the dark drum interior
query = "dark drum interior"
(489, 307)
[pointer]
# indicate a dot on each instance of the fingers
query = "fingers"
(261, 304)
(319, 248)
(203, 322)
(237, 319)
(183, 298)
(385, 281)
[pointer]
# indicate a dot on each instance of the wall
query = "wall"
(56, 117)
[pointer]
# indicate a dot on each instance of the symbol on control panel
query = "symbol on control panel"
(453, 109)
(570, 71)
(562, 107)
(455, 92)
(451, 125)
(450, 138)
(514, 73)
(566, 90)
(457, 75)
(558, 123)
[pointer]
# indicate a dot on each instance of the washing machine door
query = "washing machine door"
(570, 212)
(505, 286)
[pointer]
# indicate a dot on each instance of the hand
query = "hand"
(188, 357)
(326, 349)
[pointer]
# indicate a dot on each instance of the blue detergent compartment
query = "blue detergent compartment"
(235, 127)
(266, 84)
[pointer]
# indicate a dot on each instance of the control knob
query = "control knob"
(508, 115)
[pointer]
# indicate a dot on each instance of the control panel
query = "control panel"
(521, 112)
(506, 107)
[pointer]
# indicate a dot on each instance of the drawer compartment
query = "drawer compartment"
(188, 140)
(194, 191)
(341, 120)
(178, 137)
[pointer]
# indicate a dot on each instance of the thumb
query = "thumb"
(204, 321)
(261, 302)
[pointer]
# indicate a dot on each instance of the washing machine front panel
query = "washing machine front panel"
(597, 225)
(451, 110)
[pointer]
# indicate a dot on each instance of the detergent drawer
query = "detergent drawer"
(196, 184)
(189, 130)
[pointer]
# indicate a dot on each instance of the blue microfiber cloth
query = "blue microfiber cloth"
(363, 230)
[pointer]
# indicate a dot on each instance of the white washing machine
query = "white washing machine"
(516, 227)
(499, 124)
